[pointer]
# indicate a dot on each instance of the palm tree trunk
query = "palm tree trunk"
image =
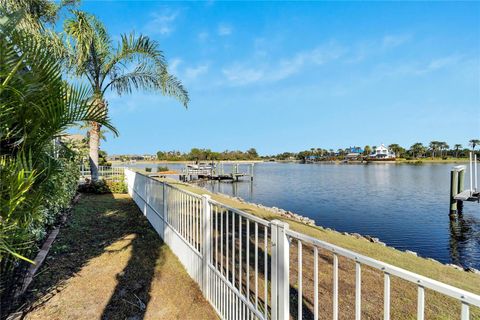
(94, 140)
(94, 144)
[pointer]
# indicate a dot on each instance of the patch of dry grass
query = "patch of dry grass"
(109, 263)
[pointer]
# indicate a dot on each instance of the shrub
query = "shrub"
(104, 186)
(162, 169)
(116, 186)
(148, 169)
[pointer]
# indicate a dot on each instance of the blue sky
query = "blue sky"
(285, 76)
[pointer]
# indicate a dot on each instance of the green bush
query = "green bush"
(162, 169)
(104, 186)
(58, 191)
(117, 186)
(148, 169)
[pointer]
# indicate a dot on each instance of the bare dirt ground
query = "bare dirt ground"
(108, 263)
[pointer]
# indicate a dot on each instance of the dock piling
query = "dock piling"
(475, 172)
(461, 188)
(453, 191)
(471, 171)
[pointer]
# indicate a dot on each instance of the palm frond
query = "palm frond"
(150, 71)
(36, 103)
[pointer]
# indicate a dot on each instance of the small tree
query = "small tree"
(434, 145)
(473, 143)
(367, 150)
(457, 147)
(417, 149)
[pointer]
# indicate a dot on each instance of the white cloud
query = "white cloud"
(394, 40)
(173, 65)
(415, 68)
(371, 48)
(162, 23)
(193, 73)
(202, 36)
(443, 62)
(224, 30)
(242, 74)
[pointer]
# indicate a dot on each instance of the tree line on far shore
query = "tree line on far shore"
(434, 149)
(207, 154)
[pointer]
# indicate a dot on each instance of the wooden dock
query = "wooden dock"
(468, 195)
(217, 172)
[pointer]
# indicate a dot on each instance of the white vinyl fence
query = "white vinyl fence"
(243, 264)
(105, 172)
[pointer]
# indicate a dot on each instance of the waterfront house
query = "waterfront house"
(354, 153)
(382, 152)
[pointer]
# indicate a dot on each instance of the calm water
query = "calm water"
(406, 206)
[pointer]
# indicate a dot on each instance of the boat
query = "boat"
(201, 166)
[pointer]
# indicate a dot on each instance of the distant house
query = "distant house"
(382, 152)
(354, 153)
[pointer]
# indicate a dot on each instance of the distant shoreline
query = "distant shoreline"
(397, 161)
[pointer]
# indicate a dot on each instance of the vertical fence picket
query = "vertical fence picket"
(265, 271)
(240, 254)
(465, 311)
(358, 291)
(335, 287)
(233, 248)
(206, 241)
(315, 283)
(386, 297)
(256, 265)
(300, 293)
(227, 236)
(247, 264)
(221, 242)
(421, 303)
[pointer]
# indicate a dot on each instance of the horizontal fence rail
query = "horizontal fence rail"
(105, 172)
(251, 268)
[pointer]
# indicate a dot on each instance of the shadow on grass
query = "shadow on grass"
(97, 222)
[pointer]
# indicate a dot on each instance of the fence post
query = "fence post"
(206, 241)
(165, 209)
(280, 271)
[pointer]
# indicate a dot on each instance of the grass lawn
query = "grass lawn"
(108, 263)
(404, 294)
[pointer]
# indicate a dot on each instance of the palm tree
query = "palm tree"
(473, 143)
(417, 149)
(367, 150)
(396, 148)
(134, 63)
(445, 146)
(434, 145)
(36, 107)
(457, 147)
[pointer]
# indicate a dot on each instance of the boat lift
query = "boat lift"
(458, 194)
(216, 171)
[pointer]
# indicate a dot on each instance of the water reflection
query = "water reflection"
(464, 239)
